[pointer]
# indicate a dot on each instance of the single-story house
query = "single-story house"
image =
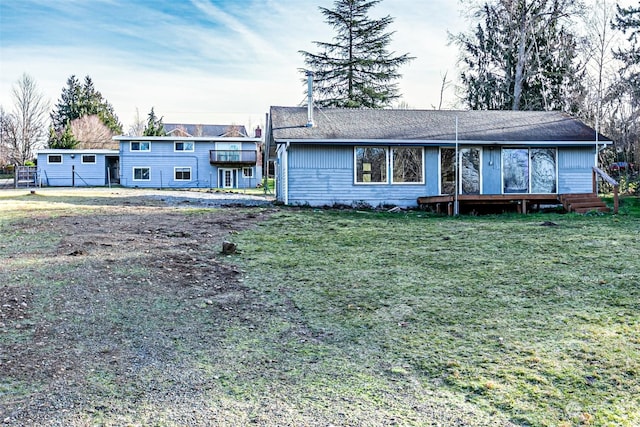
(406, 158)
(192, 156)
(77, 168)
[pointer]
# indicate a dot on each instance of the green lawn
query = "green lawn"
(539, 325)
(349, 318)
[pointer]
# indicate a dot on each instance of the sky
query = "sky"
(207, 61)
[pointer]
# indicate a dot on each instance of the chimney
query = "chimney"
(309, 75)
(258, 132)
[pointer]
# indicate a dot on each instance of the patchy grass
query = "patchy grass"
(536, 324)
(119, 314)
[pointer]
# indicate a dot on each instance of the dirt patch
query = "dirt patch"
(109, 312)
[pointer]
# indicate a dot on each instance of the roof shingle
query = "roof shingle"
(429, 125)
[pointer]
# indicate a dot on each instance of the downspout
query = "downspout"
(285, 171)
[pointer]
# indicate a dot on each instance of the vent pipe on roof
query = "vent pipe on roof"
(309, 75)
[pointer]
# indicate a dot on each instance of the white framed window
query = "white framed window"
(407, 165)
(140, 146)
(88, 158)
(470, 170)
(247, 172)
(182, 173)
(374, 165)
(182, 146)
(142, 174)
(54, 158)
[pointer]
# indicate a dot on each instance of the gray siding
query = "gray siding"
(324, 176)
(575, 170)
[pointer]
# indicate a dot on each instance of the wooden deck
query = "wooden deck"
(522, 203)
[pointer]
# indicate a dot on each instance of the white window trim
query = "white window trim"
(55, 163)
(390, 159)
(244, 175)
(175, 169)
(355, 165)
(95, 159)
(133, 174)
(139, 142)
(175, 143)
(481, 171)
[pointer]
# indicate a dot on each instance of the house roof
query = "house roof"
(78, 151)
(178, 129)
(337, 124)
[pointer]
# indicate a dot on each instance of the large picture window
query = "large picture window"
(529, 170)
(407, 165)
(371, 165)
(543, 170)
(515, 170)
(404, 164)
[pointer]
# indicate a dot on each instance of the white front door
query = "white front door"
(228, 178)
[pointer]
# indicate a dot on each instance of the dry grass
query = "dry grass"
(122, 311)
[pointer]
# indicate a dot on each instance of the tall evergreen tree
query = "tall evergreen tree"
(154, 127)
(79, 100)
(522, 56)
(356, 69)
(628, 21)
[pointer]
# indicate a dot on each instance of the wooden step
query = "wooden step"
(591, 209)
(582, 200)
(583, 203)
(589, 204)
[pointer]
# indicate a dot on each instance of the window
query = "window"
(529, 170)
(515, 170)
(182, 173)
(470, 171)
(371, 165)
(543, 170)
(183, 146)
(141, 174)
(54, 158)
(88, 158)
(140, 146)
(247, 172)
(447, 170)
(407, 165)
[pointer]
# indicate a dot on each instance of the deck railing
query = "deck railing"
(599, 172)
(232, 157)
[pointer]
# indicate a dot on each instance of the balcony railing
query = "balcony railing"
(233, 157)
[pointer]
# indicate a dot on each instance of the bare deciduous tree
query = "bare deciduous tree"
(25, 128)
(91, 132)
(137, 128)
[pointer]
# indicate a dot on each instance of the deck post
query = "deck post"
(615, 199)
